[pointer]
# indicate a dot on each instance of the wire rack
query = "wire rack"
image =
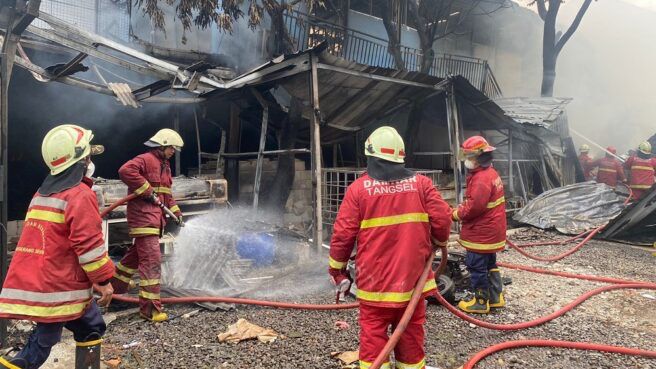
(335, 181)
(109, 18)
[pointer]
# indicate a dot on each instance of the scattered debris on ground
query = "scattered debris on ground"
(308, 339)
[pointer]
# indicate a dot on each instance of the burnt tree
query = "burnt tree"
(553, 41)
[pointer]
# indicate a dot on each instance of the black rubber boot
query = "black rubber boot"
(479, 304)
(496, 289)
(87, 353)
(12, 364)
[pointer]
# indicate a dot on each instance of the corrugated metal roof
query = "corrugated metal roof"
(542, 111)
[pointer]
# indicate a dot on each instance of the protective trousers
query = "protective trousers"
(87, 331)
(375, 323)
(479, 265)
(144, 255)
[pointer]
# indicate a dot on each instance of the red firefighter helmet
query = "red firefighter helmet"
(612, 150)
(474, 146)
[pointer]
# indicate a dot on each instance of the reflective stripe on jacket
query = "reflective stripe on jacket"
(60, 253)
(610, 171)
(393, 223)
(483, 213)
(145, 174)
(642, 172)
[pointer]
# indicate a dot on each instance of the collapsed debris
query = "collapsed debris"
(573, 209)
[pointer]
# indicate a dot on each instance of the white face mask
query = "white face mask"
(90, 169)
(470, 164)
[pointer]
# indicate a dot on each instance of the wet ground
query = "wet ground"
(625, 317)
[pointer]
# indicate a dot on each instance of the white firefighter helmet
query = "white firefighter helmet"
(65, 145)
(385, 143)
(165, 137)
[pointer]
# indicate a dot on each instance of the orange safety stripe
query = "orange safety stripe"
(144, 231)
(482, 246)
(144, 187)
(640, 167)
(45, 215)
(494, 204)
(392, 296)
(43, 311)
(607, 170)
(394, 220)
(335, 264)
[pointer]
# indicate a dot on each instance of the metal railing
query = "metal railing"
(335, 181)
(306, 31)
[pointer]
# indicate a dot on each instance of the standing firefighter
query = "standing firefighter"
(61, 254)
(586, 161)
(149, 176)
(393, 214)
(641, 167)
(483, 233)
(610, 169)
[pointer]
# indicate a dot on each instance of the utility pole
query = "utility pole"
(15, 16)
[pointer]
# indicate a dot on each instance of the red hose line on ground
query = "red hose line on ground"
(557, 257)
(550, 243)
(546, 318)
(585, 277)
(241, 301)
(552, 343)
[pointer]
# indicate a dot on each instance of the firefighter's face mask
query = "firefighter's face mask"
(91, 168)
(471, 163)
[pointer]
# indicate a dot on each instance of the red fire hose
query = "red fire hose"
(117, 204)
(417, 293)
(561, 344)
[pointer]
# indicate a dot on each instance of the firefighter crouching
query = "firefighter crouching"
(586, 161)
(641, 166)
(149, 176)
(61, 254)
(392, 213)
(482, 216)
(610, 170)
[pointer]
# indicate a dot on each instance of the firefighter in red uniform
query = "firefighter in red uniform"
(483, 219)
(149, 176)
(393, 214)
(586, 161)
(610, 170)
(61, 254)
(641, 166)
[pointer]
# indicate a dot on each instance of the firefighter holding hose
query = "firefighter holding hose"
(642, 167)
(610, 171)
(61, 254)
(149, 176)
(393, 214)
(483, 219)
(586, 161)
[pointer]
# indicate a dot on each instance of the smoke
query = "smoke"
(606, 67)
(243, 251)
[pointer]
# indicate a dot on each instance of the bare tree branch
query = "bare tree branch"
(542, 7)
(573, 27)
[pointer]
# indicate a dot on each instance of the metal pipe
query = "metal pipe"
(596, 145)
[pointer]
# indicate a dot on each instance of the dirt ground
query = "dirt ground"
(625, 317)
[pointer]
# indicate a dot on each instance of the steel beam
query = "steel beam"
(316, 152)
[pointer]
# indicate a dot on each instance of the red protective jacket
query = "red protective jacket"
(642, 172)
(586, 165)
(610, 171)
(483, 213)
(61, 252)
(392, 223)
(145, 174)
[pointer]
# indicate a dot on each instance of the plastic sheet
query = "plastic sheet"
(573, 209)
